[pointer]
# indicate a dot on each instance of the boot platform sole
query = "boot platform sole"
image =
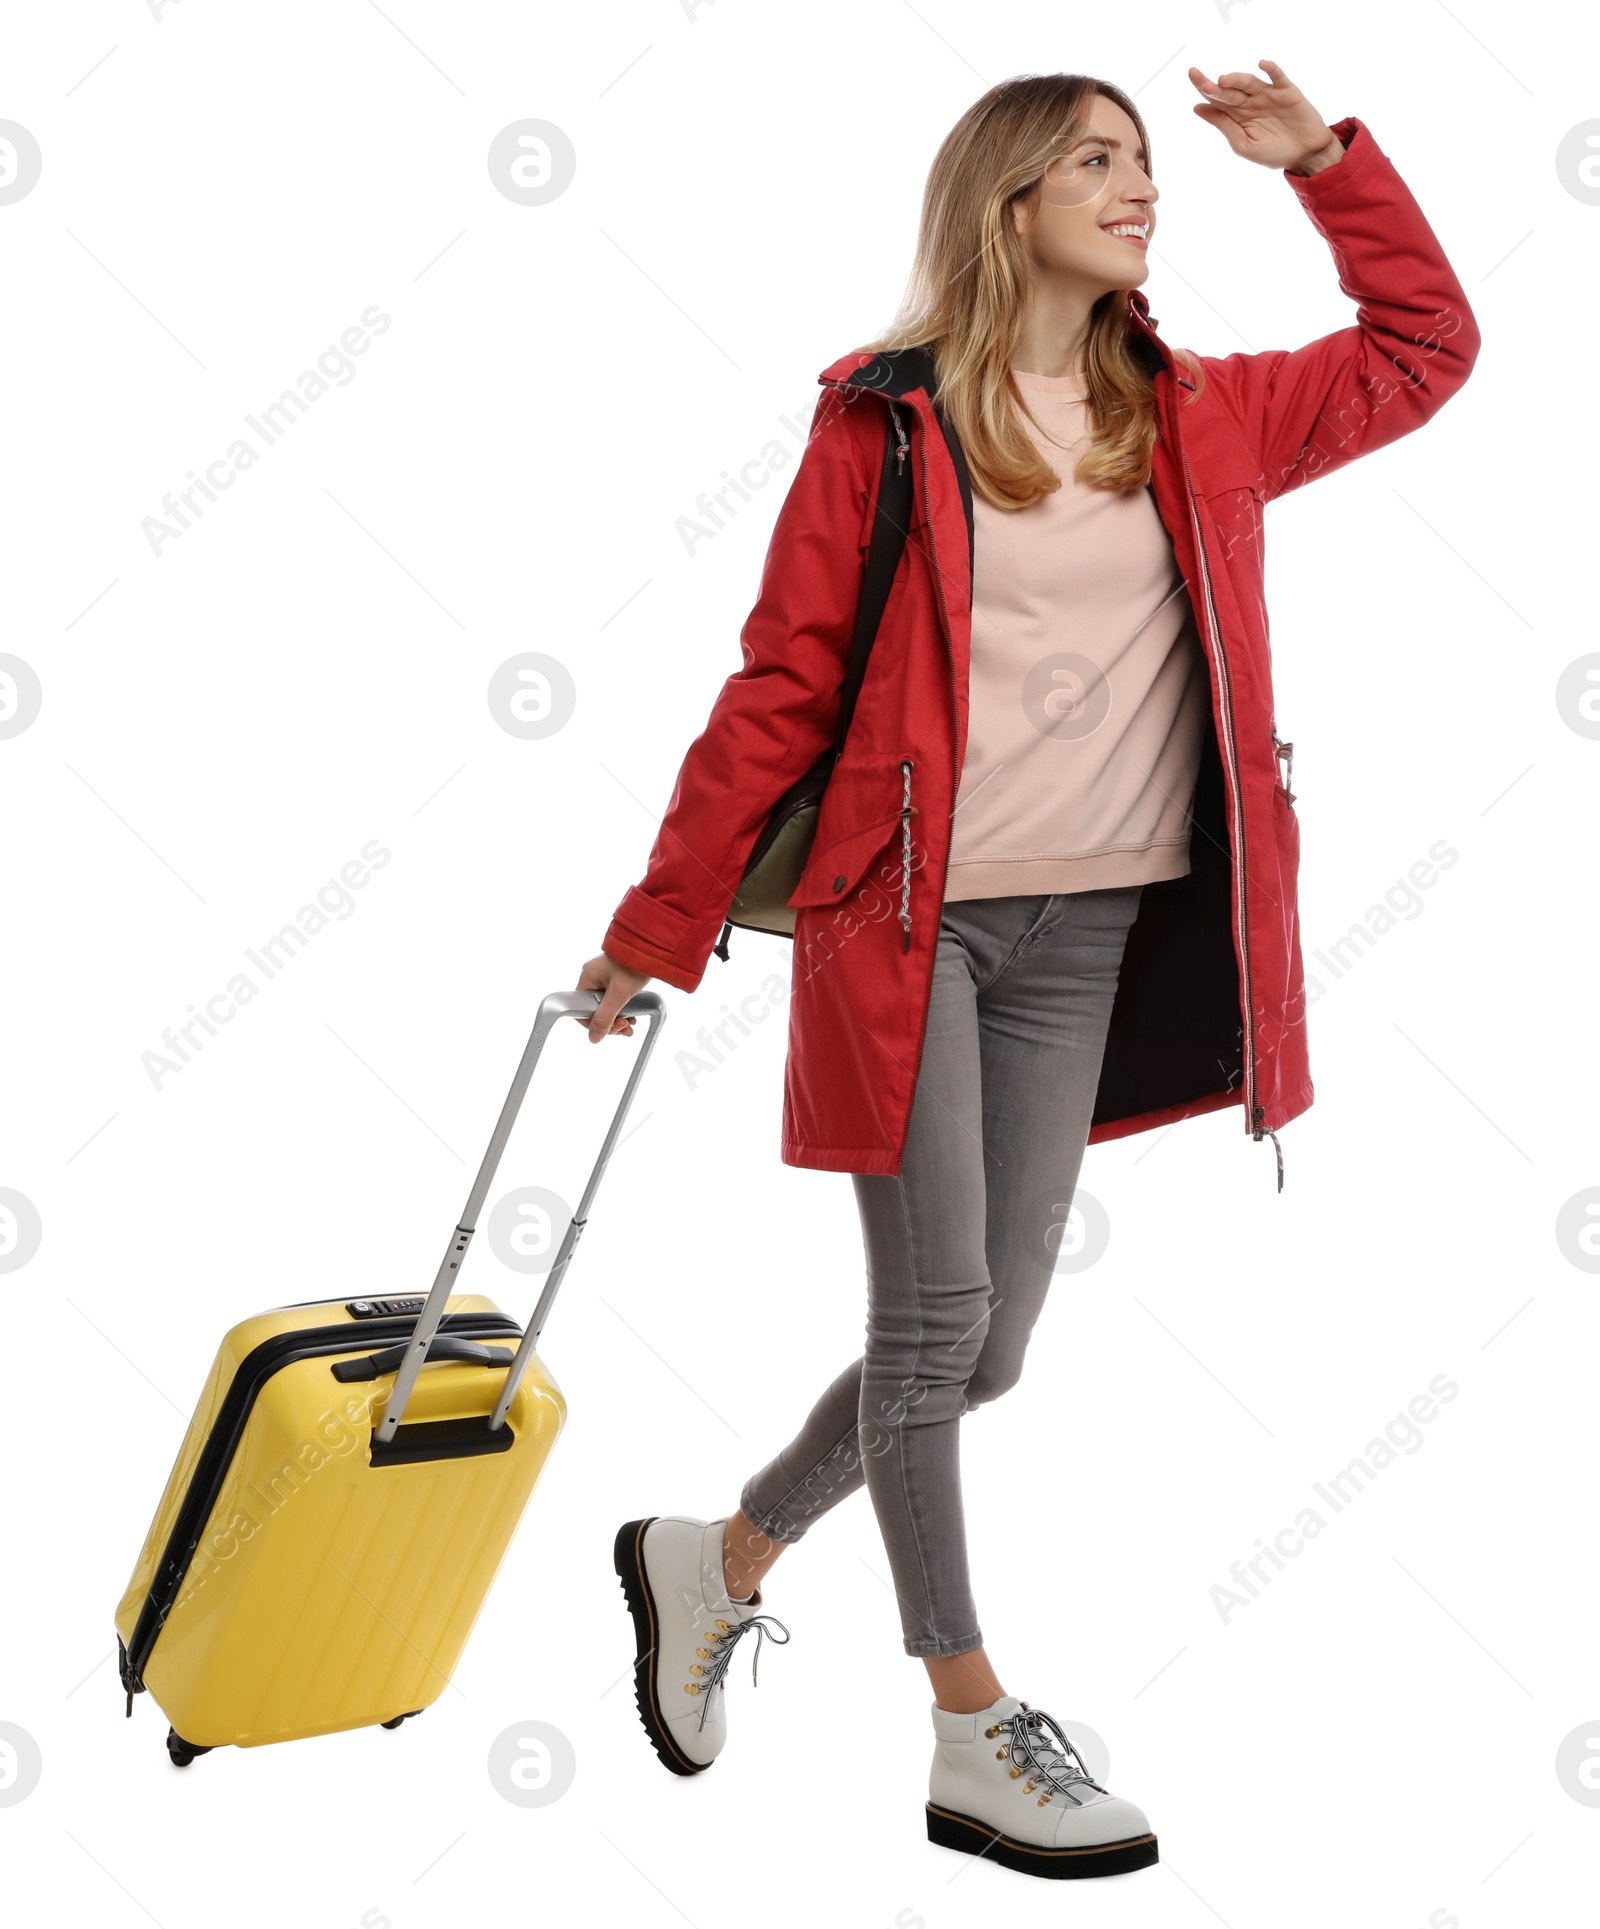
(972, 1837)
(628, 1559)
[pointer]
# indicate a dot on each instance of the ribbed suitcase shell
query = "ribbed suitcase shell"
(322, 1591)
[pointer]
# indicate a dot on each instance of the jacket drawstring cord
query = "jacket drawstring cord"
(1260, 1130)
(905, 854)
(721, 945)
(1285, 757)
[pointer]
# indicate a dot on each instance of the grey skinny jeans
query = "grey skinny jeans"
(961, 1243)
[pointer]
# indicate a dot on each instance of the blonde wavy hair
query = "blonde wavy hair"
(966, 294)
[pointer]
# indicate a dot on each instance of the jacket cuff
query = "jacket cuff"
(1360, 150)
(641, 961)
(655, 952)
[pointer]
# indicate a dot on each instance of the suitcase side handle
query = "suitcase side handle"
(444, 1347)
(557, 1004)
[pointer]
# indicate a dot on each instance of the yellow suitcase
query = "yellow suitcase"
(336, 1516)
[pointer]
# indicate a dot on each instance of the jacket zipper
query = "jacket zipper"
(1258, 1127)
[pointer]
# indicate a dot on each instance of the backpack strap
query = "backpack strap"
(890, 526)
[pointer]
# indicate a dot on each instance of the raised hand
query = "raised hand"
(1269, 121)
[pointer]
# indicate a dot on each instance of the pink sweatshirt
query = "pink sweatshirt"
(1088, 694)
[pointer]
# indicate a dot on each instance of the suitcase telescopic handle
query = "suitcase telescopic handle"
(558, 1004)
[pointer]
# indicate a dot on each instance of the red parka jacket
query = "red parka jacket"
(1210, 1006)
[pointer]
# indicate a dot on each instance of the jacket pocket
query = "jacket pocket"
(1235, 516)
(1221, 462)
(861, 812)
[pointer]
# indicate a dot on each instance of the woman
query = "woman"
(1051, 895)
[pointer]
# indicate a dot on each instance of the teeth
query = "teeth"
(1126, 227)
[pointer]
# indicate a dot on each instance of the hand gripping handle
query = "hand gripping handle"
(559, 1004)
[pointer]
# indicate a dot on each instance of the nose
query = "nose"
(1143, 190)
(1140, 201)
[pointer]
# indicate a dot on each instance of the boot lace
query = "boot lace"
(1048, 1764)
(719, 1651)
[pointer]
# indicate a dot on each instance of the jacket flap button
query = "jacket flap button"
(838, 883)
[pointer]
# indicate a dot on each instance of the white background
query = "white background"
(224, 191)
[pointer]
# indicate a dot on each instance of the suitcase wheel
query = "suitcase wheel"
(400, 1718)
(183, 1752)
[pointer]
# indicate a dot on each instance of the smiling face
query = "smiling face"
(1091, 216)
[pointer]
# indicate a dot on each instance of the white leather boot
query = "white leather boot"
(1007, 1783)
(686, 1628)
